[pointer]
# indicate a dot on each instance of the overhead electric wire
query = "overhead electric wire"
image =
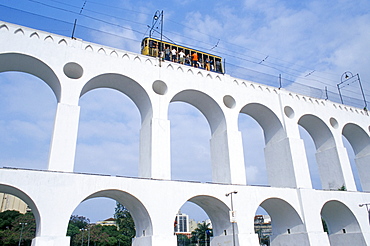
(242, 47)
(87, 16)
(86, 9)
(273, 66)
(284, 69)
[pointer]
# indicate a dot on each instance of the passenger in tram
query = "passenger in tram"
(167, 53)
(155, 49)
(161, 55)
(174, 54)
(212, 65)
(187, 60)
(200, 62)
(208, 64)
(194, 59)
(181, 57)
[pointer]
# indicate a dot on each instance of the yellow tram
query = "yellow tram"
(181, 54)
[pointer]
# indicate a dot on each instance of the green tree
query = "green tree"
(13, 224)
(182, 240)
(126, 225)
(75, 225)
(324, 225)
(202, 233)
(99, 235)
(79, 221)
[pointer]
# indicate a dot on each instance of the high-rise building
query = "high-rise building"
(182, 223)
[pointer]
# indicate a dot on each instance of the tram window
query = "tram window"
(152, 44)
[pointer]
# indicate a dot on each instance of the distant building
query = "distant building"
(10, 202)
(262, 226)
(192, 225)
(107, 222)
(182, 224)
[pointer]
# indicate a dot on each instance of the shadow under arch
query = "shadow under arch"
(139, 213)
(218, 212)
(287, 225)
(279, 164)
(126, 85)
(327, 158)
(360, 143)
(31, 65)
(27, 199)
(343, 227)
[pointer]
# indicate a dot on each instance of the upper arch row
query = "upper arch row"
(139, 95)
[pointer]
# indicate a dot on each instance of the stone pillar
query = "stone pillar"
(287, 164)
(331, 173)
(155, 155)
(63, 143)
(227, 158)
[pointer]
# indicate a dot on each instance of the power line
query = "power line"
(225, 52)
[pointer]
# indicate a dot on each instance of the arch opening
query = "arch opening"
(352, 160)
(126, 85)
(128, 221)
(31, 65)
(108, 136)
(326, 155)
(342, 225)
(217, 124)
(253, 148)
(286, 223)
(212, 229)
(190, 151)
(358, 139)
(279, 169)
(21, 212)
(262, 226)
(310, 150)
(28, 112)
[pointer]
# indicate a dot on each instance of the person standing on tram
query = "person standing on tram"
(208, 64)
(194, 59)
(181, 57)
(167, 53)
(174, 54)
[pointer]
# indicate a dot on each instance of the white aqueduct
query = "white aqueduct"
(71, 68)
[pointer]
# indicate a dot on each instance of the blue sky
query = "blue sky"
(311, 43)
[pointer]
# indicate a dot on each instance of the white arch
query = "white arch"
(331, 174)
(125, 85)
(343, 227)
(139, 213)
(287, 225)
(360, 143)
(28, 200)
(32, 65)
